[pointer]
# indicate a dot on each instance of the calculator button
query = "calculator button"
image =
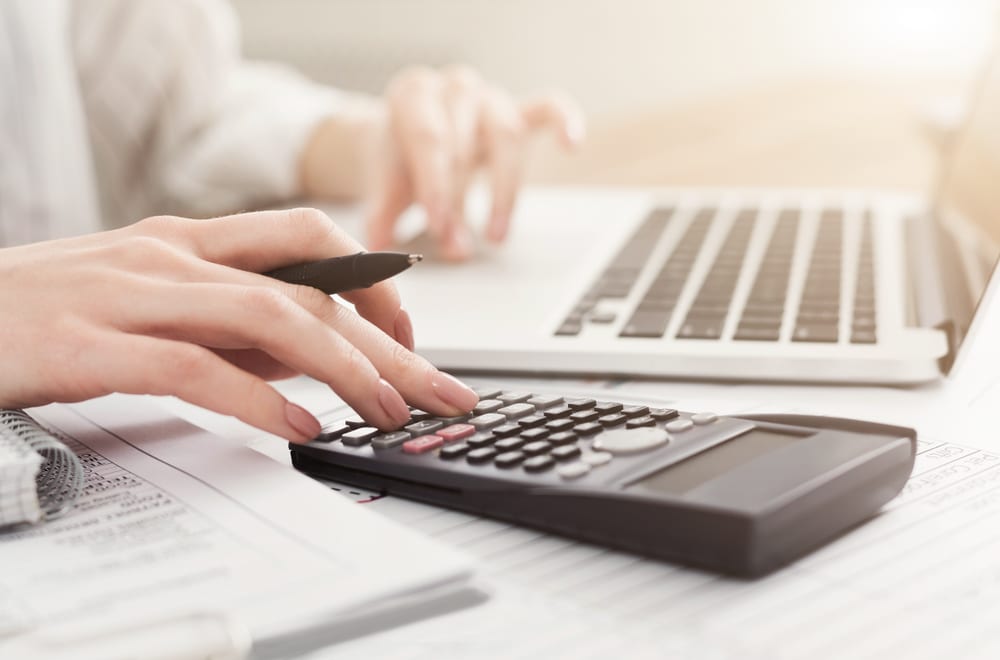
(505, 430)
(454, 451)
(486, 392)
(590, 428)
(456, 432)
(662, 414)
(541, 402)
(580, 404)
(536, 448)
(679, 425)
(509, 459)
(506, 444)
(487, 406)
(423, 444)
(332, 432)
(635, 411)
(359, 437)
(613, 419)
(530, 421)
(608, 407)
(534, 434)
(417, 415)
(390, 440)
(639, 422)
(514, 397)
(556, 412)
(573, 470)
(483, 439)
(631, 441)
(560, 425)
(584, 416)
(481, 455)
(702, 419)
(448, 421)
(596, 458)
(424, 428)
(487, 421)
(565, 452)
(562, 438)
(355, 422)
(516, 411)
(539, 463)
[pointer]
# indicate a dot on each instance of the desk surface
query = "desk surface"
(809, 133)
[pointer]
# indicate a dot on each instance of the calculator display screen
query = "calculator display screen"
(690, 473)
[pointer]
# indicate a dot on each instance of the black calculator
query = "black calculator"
(740, 495)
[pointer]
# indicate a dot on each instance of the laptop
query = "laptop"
(748, 284)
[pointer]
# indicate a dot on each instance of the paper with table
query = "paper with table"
(188, 545)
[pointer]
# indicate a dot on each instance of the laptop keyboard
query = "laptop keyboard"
(817, 317)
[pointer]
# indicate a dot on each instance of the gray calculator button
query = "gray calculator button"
(359, 437)
(631, 441)
(486, 392)
(516, 411)
(424, 427)
(390, 440)
(448, 421)
(679, 425)
(573, 470)
(541, 402)
(487, 421)
(487, 406)
(704, 418)
(596, 458)
(514, 397)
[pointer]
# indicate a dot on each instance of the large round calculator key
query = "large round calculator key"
(573, 470)
(423, 444)
(704, 418)
(596, 458)
(631, 441)
(539, 463)
(456, 432)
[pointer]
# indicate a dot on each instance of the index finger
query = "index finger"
(264, 240)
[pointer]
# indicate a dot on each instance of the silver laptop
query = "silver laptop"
(804, 285)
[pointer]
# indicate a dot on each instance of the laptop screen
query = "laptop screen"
(968, 203)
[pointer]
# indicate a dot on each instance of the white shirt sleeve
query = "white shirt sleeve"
(179, 122)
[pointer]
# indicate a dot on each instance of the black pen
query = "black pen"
(339, 274)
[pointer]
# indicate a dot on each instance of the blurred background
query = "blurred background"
(665, 81)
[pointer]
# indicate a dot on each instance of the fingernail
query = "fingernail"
(453, 392)
(403, 329)
(392, 403)
(576, 131)
(302, 421)
(458, 246)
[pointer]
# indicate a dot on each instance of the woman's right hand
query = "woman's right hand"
(173, 306)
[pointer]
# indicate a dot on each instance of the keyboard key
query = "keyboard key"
(758, 334)
(539, 463)
(456, 432)
(640, 422)
(580, 404)
(514, 397)
(425, 427)
(588, 428)
(509, 459)
(481, 439)
(573, 470)
(505, 430)
(516, 411)
(662, 414)
(863, 337)
(607, 407)
(507, 444)
(816, 333)
(417, 415)
(542, 402)
(536, 448)
(355, 422)
(559, 425)
(487, 421)
(704, 418)
(635, 411)
(481, 455)
(423, 444)
(390, 440)
(557, 411)
(456, 450)
(486, 392)
(612, 420)
(487, 406)
(359, 437)
(531, 421)
(581, 416)
(535, 434)
(565, 452)
(596, 458)
(562, 438)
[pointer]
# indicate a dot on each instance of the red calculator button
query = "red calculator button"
(456, 432)
(422, 444)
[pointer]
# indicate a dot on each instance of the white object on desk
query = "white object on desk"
(203, 544)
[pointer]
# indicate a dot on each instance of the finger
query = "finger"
(200, 377)
(391, 197)
(503, 131)
(462, 98)
(559, 112)
(256, 362)
(261, 241)
(420, 127)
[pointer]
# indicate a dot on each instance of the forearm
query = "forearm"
(339, 157)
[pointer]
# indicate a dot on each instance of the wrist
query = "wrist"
(339, 157)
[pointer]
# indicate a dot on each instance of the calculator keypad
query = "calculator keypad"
(529, 433)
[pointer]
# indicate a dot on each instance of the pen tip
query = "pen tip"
(414, 258)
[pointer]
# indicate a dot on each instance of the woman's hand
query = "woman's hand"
(175, 306)
(424, 143)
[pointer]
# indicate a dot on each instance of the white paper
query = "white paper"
(175, 522)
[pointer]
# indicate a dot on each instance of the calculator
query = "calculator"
(741, 495)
